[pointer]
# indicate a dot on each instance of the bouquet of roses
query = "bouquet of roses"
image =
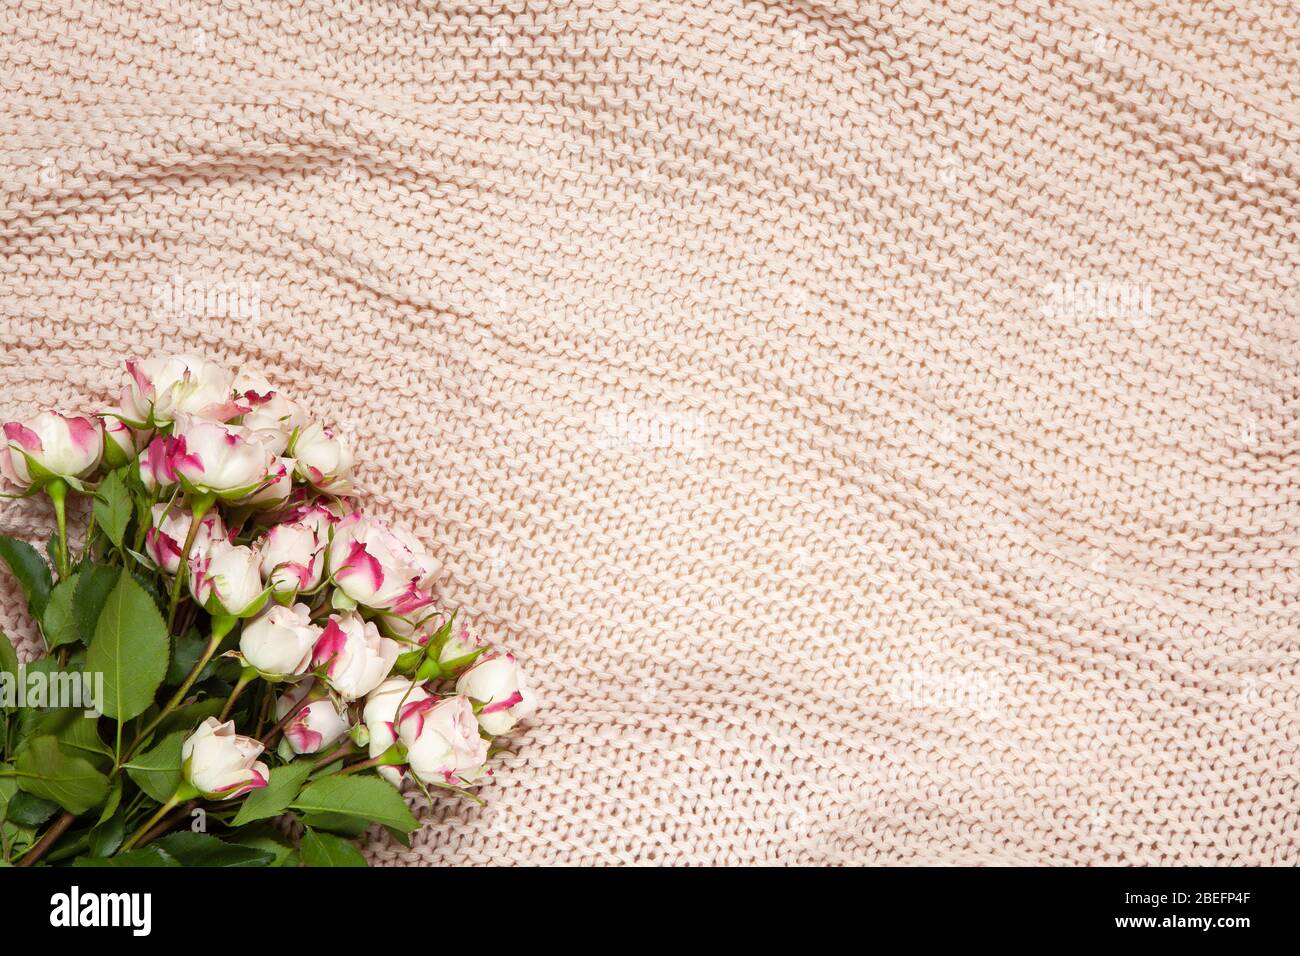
(230, 642)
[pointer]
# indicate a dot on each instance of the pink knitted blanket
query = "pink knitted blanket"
(874, 424)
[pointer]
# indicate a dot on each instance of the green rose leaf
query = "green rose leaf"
(274, 799)
(326, 849)
(46, 770)
(154, 585)
(113, 802)
(113, 507)
(200, 849)
(187, 649)
(8, 657)
(58, 623)
(29, 811)
(94, 584)
(145, 856)
(130, 649)
(158, 771)
(106, 836)
(262, 837)
(370, 798)
(16, 834)
(30, 569)
(339, 823)
(52, 549)
(77, 733)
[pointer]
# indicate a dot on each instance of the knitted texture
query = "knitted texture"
(873, 424)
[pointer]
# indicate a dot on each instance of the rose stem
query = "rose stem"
(59, 827)
(220, 628)
(148, 824)
(246, 677)
(58, 492)
(198, 509)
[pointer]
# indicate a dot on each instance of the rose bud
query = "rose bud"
(220, 764)
(316, 517)
(275, 489)
(461, 648)
(497, 683)
(323, 458)
(442, 741)
(271, 417)
(226, 579)
(354, 657)
(164, 541)
(430, 567)
(293, 557)
(413, 628)
(211, 458)
(380, 717)
(313, 728)
(163, 388)
(279, 641)
(50, 446)
(157, 464)
(122, 443)
(372, 566)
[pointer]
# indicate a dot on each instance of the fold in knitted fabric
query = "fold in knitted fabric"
(872, 424)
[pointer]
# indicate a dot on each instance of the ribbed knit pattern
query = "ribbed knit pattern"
(873, 424)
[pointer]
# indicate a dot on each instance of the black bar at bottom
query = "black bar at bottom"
(1218, 906)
